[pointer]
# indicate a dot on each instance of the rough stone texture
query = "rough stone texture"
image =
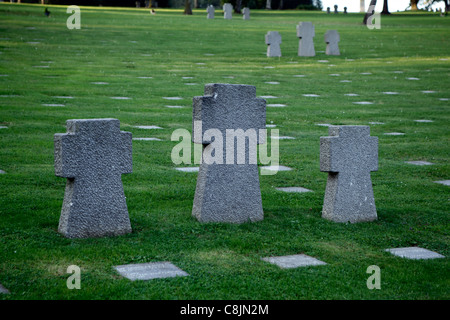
(246, 13)
(415, 253)
(151, 270)
(228, 192)
(294, 261)
(210, 12)
(349, 154)
(93, 155)
(273, 41)
(227, 10)
(332, 39)
(306, 33)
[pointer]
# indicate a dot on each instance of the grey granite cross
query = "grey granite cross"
(210, 12)
(306, 33)
(273, 41)
(93, 155)
(349, 154)
(332, 39)
(228, 189)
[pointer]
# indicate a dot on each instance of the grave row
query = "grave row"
(94, 153)
(227, 12)
(166, 269)
(306, 33)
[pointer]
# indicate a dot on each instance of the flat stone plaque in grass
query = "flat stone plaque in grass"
(188, 169)
(147, 139)
(420, 163)
(148, 127)
(444, 182)
(294, 189)
(151, 270)
(3, 289)
(294, 261)
(276, 168)
(414, 253)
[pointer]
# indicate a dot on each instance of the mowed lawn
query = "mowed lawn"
(49, 74)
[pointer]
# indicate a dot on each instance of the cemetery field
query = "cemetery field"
(126, 63)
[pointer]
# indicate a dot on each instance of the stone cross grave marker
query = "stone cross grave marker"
(210, 12)
(306, 33)
(227, 10)
(228, 188)
(273, 41)
(349, 154)
(332, 39)
(335, 9)
(246, 13)
(93, 155)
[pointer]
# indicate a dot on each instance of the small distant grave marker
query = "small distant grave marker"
(332, 39)
(227, 11)
(246, 13)
(306, 33)
(273, 41)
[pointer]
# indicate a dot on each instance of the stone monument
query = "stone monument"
(332, 39)
(273, 41)
(210, 12)
(246, 13)
(335, 9)
(228, 187)
(93, 155)
(227, 10)
(306, 33)
(328, 10)
(349, 154)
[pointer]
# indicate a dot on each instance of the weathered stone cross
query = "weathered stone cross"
(332, 39)
(93, 155)
(306, 33)
(273, 41)
(228, 183)
(349, 154)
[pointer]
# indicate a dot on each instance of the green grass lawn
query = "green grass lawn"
(42, 59)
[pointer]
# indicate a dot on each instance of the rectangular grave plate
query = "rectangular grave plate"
(151, 270)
